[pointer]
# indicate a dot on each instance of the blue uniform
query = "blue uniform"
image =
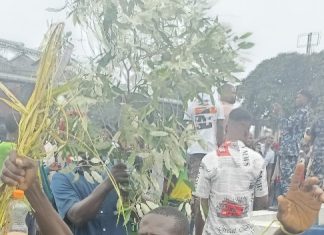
(292, 132)
(67, 192)
(317, 166)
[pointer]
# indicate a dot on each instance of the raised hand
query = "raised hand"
(299, 208)
(18, 171)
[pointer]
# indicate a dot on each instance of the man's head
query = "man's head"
(303, 98)
(227, 93)
(269, 140)
(238, 126)
(250, 141)
(164, 221)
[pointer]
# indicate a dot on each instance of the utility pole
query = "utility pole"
(308, 41)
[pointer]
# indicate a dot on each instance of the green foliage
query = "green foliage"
(153, 56)
(278, 80)
(168, 48)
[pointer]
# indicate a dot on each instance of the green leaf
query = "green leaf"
(88, 177)
(110, 15)
(95, 160)
(181, 206)
(106, 59)
(117, 90)
(131, 159)
(102, 145)
(159, 133)
(50, 9)
(76, 177)
(246, 35)
(127, 217)
(245, 45)
(167, 161)
(97, 177)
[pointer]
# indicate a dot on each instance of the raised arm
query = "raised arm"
(47, 219)
(23, 172)
(79, 211)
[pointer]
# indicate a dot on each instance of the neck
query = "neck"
(234, 137)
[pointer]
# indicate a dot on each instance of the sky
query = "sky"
(275, 24)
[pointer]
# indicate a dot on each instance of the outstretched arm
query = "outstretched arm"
(47, 219)
(78, 210)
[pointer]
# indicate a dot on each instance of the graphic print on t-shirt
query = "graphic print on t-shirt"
(233, 208)
(204, 116)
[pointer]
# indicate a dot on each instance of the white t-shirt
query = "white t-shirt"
(204, 114)
(269, 156)
(230, 178)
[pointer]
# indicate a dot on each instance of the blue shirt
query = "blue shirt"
(292, 132)
(317, 132)
(67, 192)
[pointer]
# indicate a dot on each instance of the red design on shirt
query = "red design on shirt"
(223, 150)
(205, 110)
(231, 209)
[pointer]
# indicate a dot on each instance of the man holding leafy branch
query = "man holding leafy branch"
(89, 207)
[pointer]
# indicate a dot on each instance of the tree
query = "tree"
(277, 80)
(151, 53)
(167, 47)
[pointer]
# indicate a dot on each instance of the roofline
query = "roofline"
(18, 47)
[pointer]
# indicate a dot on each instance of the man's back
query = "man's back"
(204, 115)
(229, 178)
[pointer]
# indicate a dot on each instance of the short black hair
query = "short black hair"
(225, 87)
(240, 115)
(182, 223)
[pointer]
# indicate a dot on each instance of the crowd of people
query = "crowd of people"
(241, 174)
(232, 173)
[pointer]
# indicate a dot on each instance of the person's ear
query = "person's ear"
(246, 134)
(246, 131)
